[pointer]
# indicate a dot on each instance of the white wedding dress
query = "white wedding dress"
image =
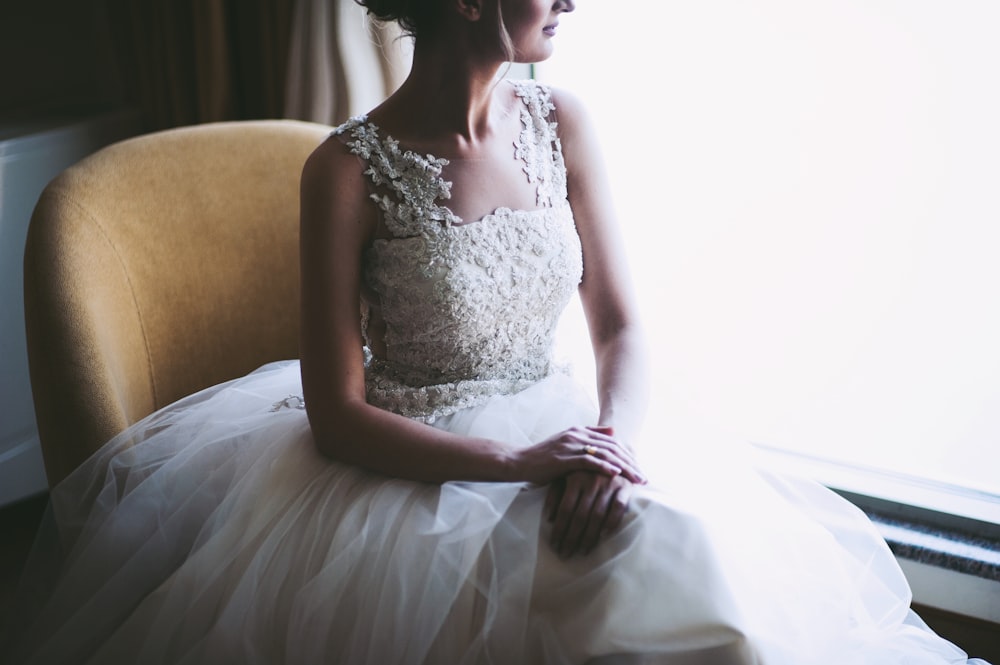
(214, 532)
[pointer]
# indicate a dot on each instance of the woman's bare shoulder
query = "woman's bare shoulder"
(569, 106)
(334, 188)
(333, 168)
(573, 122)
(332, 154)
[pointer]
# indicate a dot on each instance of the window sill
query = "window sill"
(945, 538)
(946, 569)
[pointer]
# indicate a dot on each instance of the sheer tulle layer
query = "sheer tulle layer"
(214, 532)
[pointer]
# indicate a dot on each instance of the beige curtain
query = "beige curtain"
(340, 63)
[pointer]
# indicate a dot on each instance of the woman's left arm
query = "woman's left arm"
(606, 290)
(584, 507)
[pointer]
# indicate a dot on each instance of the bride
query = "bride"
(436, 489)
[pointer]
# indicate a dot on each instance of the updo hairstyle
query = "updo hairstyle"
(421, 17)
(413, 16)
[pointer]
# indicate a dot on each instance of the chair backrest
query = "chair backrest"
(159, 266)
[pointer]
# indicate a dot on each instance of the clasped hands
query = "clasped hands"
(591, 477)
(583, 508)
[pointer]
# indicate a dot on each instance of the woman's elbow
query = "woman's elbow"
(333, 431)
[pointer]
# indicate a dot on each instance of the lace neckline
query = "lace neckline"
(409, 185)
(412, 160)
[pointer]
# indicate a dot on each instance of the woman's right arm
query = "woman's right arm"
(337, 224)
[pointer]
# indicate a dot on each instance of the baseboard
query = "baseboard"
(978, 638)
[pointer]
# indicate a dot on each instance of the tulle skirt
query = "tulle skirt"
(214, 532)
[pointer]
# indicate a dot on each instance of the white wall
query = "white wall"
(32, 152)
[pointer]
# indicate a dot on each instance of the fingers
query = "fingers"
(616, 509)
(607, 511)
(594, 449)
(598, 516)
(599, 452)
(552, 498)
(572, 514)
(585, 509)
(590, 449)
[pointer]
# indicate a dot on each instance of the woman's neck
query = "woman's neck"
(448, 96)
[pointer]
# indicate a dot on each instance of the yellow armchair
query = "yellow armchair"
(156, 267)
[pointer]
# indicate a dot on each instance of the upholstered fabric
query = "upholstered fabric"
(159, 266)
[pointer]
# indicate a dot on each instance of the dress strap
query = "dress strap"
(406, 185)
(538, 145)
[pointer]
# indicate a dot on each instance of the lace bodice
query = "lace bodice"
(470, 309)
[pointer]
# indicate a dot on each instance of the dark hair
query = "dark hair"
(420, 16)
(413, 16)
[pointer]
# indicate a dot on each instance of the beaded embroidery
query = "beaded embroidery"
(470, 309)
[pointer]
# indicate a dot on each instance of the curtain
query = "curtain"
(340, 63)
(185, 62)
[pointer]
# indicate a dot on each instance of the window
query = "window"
(809, 191)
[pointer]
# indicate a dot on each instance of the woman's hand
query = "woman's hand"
(584, 507)
(590, 449)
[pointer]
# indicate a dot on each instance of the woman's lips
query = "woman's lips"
(550, 30)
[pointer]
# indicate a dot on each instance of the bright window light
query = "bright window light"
(810, 190)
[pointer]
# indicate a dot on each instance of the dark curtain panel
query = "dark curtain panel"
(186, 62)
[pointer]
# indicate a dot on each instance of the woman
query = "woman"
(475, 123)
(404, 518)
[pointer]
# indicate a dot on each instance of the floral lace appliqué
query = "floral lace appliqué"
(538, 145)
(412, 183)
